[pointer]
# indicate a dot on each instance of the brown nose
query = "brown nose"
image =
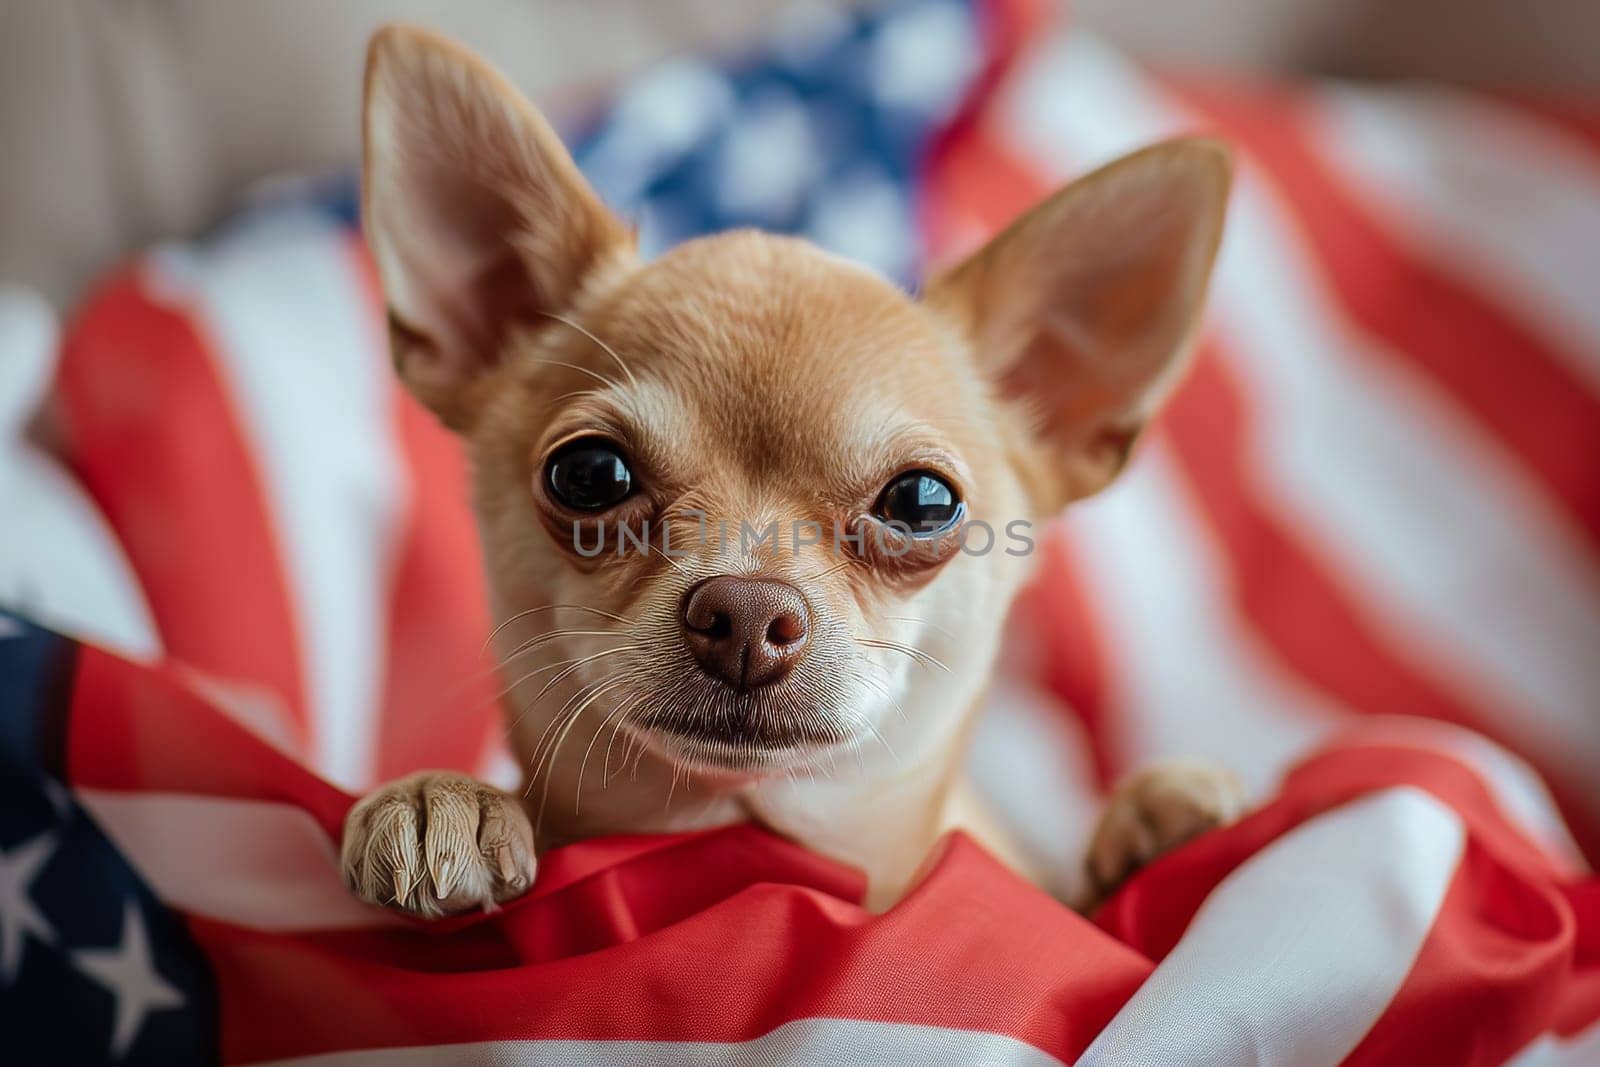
(745, 631)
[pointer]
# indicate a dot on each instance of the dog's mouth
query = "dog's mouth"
(743, 732)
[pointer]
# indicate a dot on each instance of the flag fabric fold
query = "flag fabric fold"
(1386, 904)
(1356, 562)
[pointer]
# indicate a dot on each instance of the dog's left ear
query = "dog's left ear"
(1082, 312)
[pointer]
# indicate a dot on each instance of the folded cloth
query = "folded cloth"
(171, 894)
(1378, 495)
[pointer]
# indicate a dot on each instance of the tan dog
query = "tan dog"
(733, 500)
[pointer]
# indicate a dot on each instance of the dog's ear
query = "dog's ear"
(476, 215)
(1082, 311)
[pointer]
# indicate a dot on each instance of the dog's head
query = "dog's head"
(748, 501)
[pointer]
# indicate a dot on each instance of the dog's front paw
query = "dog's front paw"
(1155, 811)
(437, 843)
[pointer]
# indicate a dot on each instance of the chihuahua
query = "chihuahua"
(727, 497)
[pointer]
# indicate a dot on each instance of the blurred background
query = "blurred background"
(134, 120)
(1376, 497)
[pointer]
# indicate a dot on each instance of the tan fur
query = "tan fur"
(752, 378)
(1154, 810)
(436, 843)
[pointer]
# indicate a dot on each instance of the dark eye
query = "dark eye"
(589, 475)
(923, 501)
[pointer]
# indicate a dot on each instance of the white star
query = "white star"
(58, 796)
(10, 627)
(19, 916)
(133, 980)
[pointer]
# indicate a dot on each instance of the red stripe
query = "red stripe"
(1496, 968)
(1007, 27)
(976, 184)
(1489, 974)
(1577, 119)
(1580, 1001)
(1059, 617)
(1493, 366)
(438, 695)
(725, 935)
(1312, 623)
(720, 938)
(138, 728)
(153, 436)
(1153, 909)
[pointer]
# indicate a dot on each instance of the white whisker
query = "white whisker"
(601, 378)
(916, 654)
(551, 607)
(608, 349)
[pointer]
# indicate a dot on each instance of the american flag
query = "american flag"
(1357, 562)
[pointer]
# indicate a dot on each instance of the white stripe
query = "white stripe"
(820, 1041)
(60, 564)
(1518, 791)
(295, 347)
(1030, 763)
(257, 709)
(498, 767)
(1499, 199)
(250, 863)
(1185, 677)
(1299, 951)
(1579, 1050)
(1400, 493)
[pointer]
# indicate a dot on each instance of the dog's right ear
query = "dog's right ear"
(476, 215)
(1083, 310)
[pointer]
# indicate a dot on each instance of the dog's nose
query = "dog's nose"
(746, 631)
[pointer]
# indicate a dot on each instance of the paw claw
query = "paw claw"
(436, 844)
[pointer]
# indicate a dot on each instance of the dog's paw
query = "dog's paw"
(437, 843)
(1155, 811)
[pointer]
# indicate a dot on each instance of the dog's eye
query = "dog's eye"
(923, 501)
(589, 475)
